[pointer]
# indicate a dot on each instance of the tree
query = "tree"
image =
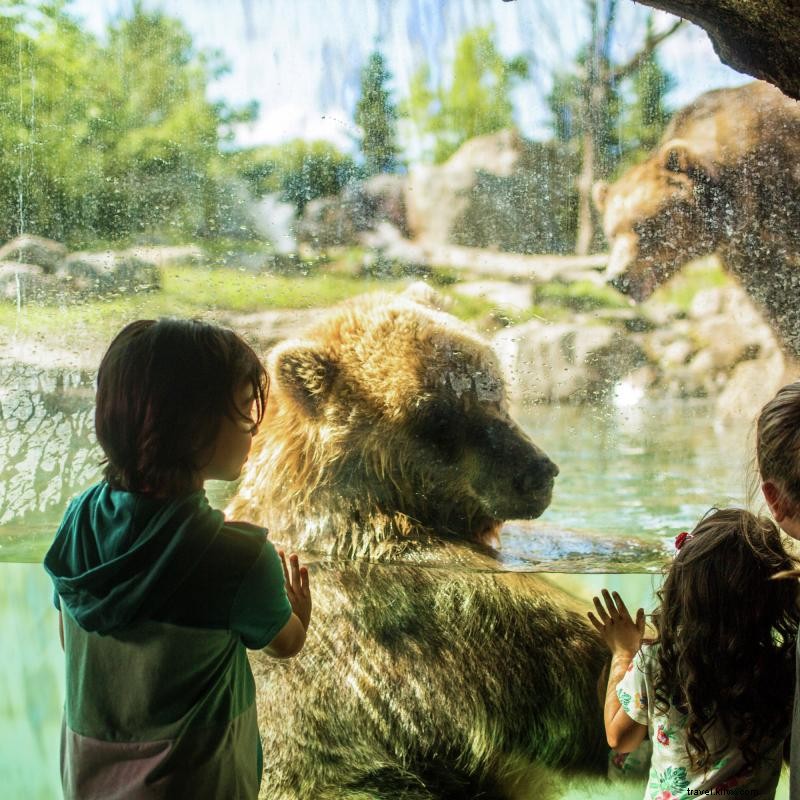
(592, 105)
(377, 117)
(477, 100)
(106, 140)
(298, 171)
(646, 117)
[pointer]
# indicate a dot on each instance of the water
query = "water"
(644, 472)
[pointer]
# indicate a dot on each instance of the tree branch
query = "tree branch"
(650, 44)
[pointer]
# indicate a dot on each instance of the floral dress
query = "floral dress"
(671, 774)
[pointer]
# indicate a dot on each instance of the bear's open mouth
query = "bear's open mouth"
(488, 533)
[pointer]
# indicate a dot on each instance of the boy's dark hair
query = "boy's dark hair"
(162, 390)
(778, 440)
(727, 635)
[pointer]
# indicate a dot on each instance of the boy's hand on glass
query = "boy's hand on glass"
(622, 634)
(298, 589)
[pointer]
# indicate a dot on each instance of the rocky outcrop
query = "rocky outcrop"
(759, 37)
(36, 250)
(496, 191)
(577, 362)
(362, 206)
(107, 273)
(34, 269)
(721, 349)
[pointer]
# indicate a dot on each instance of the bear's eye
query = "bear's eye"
(441, 428)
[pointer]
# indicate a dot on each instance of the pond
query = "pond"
(645, 471)
(628, 473)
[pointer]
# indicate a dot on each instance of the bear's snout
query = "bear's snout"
(541, 472)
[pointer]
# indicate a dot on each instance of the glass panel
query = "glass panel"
(252, 164)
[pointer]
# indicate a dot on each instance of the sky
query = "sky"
(301, 59)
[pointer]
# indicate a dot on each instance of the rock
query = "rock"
(380, 198)
(28, 249)
(325, 223)
(759, 37)
(426, 295)
(676, 354)
(497, 191)
(708, 302)
(264, 329)
(160, 255)
(699, 377)
(726, 342)
(729, 313)
(99, 274)
(20, 282)
(751, 385)
(573, 362)
(362, 206)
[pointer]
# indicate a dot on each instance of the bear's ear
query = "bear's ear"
(677, 155)
(599, 194)
(304, 372)
(424, 294)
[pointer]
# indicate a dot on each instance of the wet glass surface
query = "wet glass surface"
(272, 159)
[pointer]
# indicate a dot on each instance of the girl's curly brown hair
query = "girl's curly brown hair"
(726, 635)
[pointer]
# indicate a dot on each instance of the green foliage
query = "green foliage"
(103, 141)
(578, 296)
(573, 116)
(377, 117)
(477, 100)
(625, 120)
(647, 115)
(299, 171)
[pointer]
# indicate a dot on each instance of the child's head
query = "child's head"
(778, 454)
(726, 629)
(167, 392)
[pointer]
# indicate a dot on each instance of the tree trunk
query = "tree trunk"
(583, 240)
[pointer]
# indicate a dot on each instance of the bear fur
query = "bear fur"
(724, 180)
(388, 458)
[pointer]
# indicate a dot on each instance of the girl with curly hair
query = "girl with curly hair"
(712, 687)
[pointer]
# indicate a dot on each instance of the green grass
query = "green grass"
(578, 296)
(187, 291)
(705, 273)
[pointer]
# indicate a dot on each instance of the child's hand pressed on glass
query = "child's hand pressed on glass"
(298, 589)
(622, 635)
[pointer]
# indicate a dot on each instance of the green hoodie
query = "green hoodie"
(160, 600)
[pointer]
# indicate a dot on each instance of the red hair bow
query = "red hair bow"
(681, 538)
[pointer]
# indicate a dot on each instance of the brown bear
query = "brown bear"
(724, 180)
(388, 457)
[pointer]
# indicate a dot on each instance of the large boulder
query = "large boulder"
(362, 206)
(87, 274)
(759, 37)
(497, 191)
(577, 362)
(29, 249)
